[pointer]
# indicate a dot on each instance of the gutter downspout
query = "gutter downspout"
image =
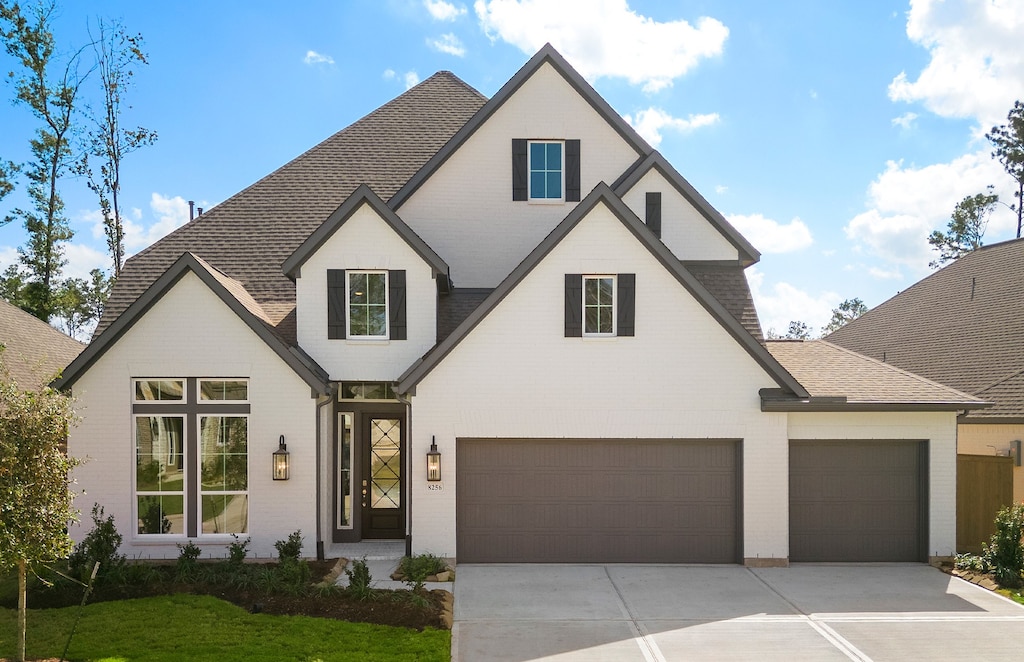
(319, 496)
(408, 471)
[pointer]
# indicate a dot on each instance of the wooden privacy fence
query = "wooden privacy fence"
(984, 484)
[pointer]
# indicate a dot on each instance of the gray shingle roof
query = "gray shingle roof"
(248, 236)
(830, 371)
(34, 351)
(728, 284)
(960, 326)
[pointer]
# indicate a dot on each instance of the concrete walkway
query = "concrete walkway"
(622, 613)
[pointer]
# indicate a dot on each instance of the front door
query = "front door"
(383, 505)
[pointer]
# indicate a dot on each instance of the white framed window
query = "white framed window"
(367, 305)
(191, 476)
(546, 171)
(599, 305)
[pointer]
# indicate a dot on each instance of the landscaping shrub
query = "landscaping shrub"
(359, 580)
(238, 550)
(289, 550)
(102, 544)
(188, 560)
(1005, 551)
(416, 569)
(971, 562)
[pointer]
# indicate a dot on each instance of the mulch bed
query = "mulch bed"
(397, 608)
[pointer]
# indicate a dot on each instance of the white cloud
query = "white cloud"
(907, 203)
(448, 43)
(605, 38)
(882, 274)
(721, 190)
(976, 68)
(783, 303)
(82, 259)
(904, 121)
(444, 11)
(649, 123)
(169, 213)
(410, 78)
(8, 256)
(770, 236)
(312, 57)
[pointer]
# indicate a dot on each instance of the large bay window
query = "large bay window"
(191, 456)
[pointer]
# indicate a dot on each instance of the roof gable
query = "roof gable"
(602, 194)
(229, 291)
(363, 195)
(655, 161)
(546, 55)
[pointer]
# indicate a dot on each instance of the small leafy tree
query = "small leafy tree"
(1005, 552)
(966, 228)
(843, 314)
(101, 545)
(1008, 140)
(35, 496)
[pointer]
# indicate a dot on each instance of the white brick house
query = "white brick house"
(525, 286)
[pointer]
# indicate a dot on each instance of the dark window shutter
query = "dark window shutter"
(573, 305)
(654, 213)
(626, 304)
(337, 303)
(396, 293)
(572, 171)
(520, 169)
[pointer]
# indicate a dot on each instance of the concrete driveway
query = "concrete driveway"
(622, 613)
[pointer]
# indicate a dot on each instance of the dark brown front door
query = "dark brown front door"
(383, 504)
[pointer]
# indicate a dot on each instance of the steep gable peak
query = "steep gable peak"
(547, 55)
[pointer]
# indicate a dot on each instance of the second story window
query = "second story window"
(367, 304)
(546, 171)
(598, 305)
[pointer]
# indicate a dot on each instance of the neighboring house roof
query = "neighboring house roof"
(250, 235)
(655, 161)
(231, 292)
(33, 351)
(362, 195)
(960, 326)
(603, 194)
(838, 379)
(547, 54)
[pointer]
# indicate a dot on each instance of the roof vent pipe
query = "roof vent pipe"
(191, 210)
(200, 210)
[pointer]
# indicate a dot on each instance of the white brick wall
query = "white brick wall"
(365, 241)
(939, 428)
(465, 210)
(681, 376)
(192, 333)
(683, 230)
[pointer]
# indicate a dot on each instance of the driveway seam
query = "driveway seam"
(645, 642)
(822, 628)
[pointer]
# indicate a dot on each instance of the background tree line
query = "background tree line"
(77, 95)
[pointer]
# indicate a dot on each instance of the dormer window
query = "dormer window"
(368, 304)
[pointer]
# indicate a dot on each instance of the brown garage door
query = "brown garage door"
(608, 501)
(857, 501)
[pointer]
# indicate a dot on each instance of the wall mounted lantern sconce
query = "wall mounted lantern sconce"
(433, 462)
(281, 463)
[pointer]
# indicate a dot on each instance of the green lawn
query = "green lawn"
(195, 627)
(1015, 594)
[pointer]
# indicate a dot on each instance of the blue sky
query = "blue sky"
(835, 136)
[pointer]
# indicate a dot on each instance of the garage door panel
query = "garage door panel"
(614, 501)
(857, 501)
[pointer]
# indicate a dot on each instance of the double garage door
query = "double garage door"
(599, 500)
(678, 501)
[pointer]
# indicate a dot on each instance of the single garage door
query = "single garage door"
(598, 501)
(858, 501)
